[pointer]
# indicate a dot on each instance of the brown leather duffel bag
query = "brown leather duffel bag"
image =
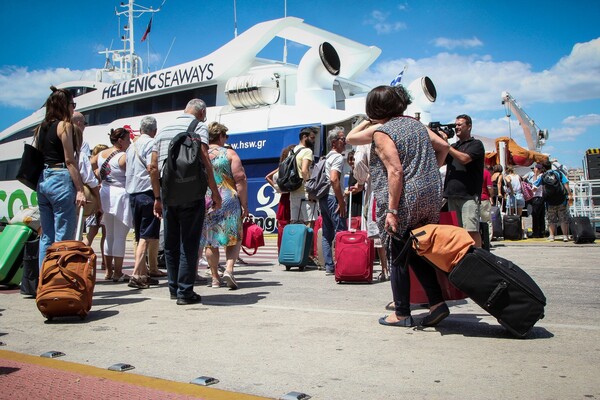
(67, 280)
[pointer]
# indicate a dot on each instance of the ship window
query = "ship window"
(149, 105)
(9, 169)
(22, 134)
(106, 115)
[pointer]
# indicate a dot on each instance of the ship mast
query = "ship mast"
(125, 63)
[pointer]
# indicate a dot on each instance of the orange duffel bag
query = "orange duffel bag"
(442, 245)
(67, 280)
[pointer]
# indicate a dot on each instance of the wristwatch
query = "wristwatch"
(391, 211)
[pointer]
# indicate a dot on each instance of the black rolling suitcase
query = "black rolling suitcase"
(513, 230)
(582, 230)
(484, 231)
(496, 216)
(500, 288)
(31, 270)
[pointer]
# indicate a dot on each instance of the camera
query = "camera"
(448, 129)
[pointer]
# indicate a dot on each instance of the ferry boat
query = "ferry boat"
(264, 103)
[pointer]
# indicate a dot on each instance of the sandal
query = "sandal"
(108, 276)
(122, 278)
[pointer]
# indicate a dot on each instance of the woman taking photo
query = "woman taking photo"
(408, 192)
(223, 227)
(60, 188)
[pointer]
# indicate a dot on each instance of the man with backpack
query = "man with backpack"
(333, 206)
(302, 209)
(180, 160)
(556, 195)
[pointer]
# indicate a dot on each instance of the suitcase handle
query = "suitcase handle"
(502, 286)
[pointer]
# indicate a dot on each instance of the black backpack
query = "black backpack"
(289, 179)
(555, 193)
(184, 176)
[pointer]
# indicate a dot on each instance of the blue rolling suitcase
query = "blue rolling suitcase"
(296, 246)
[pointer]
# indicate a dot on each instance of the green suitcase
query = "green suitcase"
(12, 240)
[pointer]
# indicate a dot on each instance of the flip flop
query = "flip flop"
(405, 323)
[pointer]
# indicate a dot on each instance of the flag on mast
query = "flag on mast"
(148, 29)
(397, 79)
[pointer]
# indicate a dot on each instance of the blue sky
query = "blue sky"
(546, 54)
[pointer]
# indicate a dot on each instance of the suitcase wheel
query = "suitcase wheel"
(287, 268)
(301, 268)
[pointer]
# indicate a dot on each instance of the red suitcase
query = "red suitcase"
(354, 255)
(450, 292)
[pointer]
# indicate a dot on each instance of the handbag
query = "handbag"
(527, 190)
(443, 245)
(32, 165)
(252, 237)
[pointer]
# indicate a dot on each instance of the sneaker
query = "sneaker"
(230, 280)
(194, 299)
(329, 273)
(216, 283)
(565, 239)
(137, 283)
(550, 239)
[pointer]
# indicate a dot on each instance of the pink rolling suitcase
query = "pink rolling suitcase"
(354, 255)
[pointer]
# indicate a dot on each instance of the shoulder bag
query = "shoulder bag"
(32, 165)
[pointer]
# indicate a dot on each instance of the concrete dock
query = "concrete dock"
(299, 331)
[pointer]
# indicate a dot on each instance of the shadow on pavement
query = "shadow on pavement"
(470, 325)
(227, 299)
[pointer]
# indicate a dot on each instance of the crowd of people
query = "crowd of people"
(395, 182)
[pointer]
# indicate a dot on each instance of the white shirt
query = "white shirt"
(139, 155)
(335, 162)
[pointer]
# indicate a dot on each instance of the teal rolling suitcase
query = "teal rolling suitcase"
(296, 246)
(12, 240)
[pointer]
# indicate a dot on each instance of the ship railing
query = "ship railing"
(586, 199)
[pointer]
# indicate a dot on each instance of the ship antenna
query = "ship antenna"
(234, 19)
(168, 52)
(285, 40)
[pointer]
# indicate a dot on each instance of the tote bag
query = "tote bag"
(32, 165)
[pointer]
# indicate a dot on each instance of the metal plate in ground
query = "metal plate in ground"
(295, 396)
(52, 354)
(205, 381)
(121, 367)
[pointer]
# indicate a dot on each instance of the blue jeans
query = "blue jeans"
(56, 199)
(332, 223)
(183, 228)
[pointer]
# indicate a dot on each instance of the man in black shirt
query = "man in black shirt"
(464, 177)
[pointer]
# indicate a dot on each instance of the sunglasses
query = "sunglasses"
(73, 104)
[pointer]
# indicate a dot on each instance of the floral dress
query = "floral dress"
(421, 197)
(222, 227)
